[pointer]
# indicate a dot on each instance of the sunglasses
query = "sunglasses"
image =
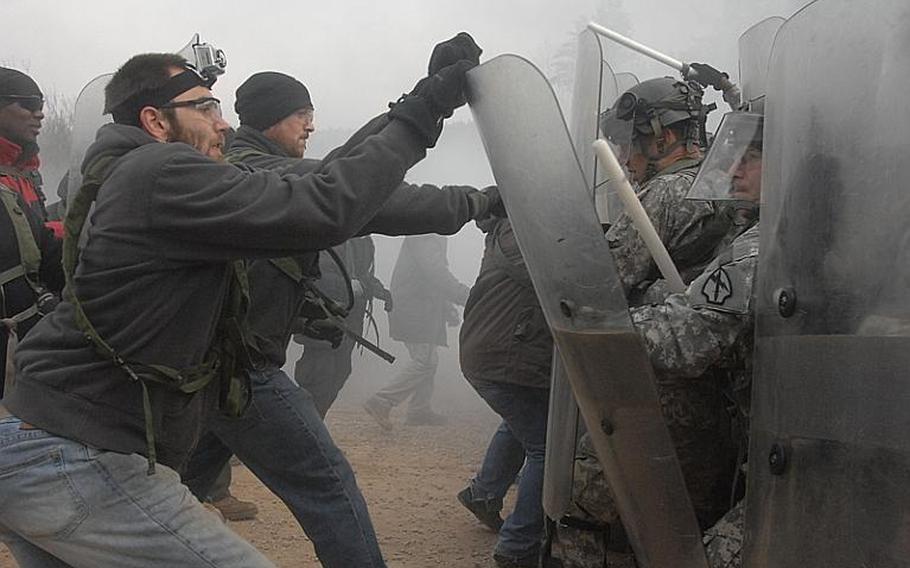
(31, 103)
(209, 106)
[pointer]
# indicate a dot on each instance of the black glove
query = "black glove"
(433, 99)
(708, 76)
(451, 51)
(382, 294)
(497, 207)
(324, 330)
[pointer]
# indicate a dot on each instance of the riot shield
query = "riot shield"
(754, 52)
(625, 81)
(88, 117)
(829, 462)
(594, 91)
(562, 242)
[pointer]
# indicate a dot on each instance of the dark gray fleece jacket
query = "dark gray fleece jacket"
(152, 276)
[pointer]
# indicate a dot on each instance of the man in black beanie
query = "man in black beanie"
(282, 438)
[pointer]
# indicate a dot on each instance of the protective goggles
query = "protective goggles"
(31, 103)
(209, 106)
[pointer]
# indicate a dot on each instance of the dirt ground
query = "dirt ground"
(409, 477)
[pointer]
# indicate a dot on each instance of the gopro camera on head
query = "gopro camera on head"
(204, 59)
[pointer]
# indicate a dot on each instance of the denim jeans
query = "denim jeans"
(284, 441)
(520, 439)
(63, 504)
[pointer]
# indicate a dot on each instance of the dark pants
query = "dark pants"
(323, 371)
(520, 439)
(284, 441)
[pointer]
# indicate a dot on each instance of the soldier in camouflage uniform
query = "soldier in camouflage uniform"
(701, 346)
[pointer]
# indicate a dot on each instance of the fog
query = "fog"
(357, 55)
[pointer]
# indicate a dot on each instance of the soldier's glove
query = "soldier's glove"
(433, 99)
(486, 203)
(382, 294)
(708, 76)
(462, 46)
(324, 330)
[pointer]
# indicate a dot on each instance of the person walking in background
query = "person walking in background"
(423, 294)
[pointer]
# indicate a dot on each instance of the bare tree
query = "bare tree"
(55, 141)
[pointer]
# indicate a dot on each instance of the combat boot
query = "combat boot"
(529, 561)
(486, 510)
(233, 509)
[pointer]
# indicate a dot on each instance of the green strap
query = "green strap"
(188, 380)
(11, 274)
(29, 253)
(290, 267)
(240, 156)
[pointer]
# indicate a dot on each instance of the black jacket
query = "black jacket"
(410, 210)
(152, 275)
(504, 337)
(423, 291)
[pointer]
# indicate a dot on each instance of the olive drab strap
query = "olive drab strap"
(29, 253)
(189, 380)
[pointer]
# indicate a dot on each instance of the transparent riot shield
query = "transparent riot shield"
(829, 465)
(594, 91)
(625, 81)
(737, 141)
(562, 242)
(88, 117)
(754, 52)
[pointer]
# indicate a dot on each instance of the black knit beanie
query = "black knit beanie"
(266, 98)
(16, 83)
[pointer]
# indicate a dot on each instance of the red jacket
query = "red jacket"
(20, 174)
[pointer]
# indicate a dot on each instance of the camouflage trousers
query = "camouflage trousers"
(724, 541)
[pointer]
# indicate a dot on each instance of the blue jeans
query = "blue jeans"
(284, 441)
(520, 439)
(64, 504)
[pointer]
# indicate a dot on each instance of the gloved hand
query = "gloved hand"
(434, 98)
(708, 76)
(382, 294)
(324, 330)
(496, 207)
(462, 46)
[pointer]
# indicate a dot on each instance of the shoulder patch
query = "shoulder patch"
(717, 287)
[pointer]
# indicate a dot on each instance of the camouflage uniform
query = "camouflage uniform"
(700, 345)
(724, 541)
(689, 228)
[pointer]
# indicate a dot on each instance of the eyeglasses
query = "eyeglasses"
(209, 106)
(31, 103)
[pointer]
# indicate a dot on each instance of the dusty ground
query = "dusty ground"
(409, 476)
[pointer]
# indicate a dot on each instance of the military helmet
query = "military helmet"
(656, 104)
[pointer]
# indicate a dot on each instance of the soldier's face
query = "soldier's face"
(747, 176)
(200, 125)
(19, 124)
(292, 132)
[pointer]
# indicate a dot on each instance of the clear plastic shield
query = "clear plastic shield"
(594, 90)
(829, 466)
(754, 52)
(737, 144)
(88, 117)
(625, 81)
(564, 428)
(562, 242)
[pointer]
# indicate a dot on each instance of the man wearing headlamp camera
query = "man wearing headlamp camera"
(125, 371)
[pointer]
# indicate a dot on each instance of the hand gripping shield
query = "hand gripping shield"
(595, 89)
(754, 52)
(562, 242)
(829, 462)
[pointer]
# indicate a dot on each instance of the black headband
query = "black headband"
(127, 112)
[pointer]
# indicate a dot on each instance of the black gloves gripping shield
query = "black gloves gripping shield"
(436, 96)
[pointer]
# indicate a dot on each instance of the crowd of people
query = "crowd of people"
(143, 351)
